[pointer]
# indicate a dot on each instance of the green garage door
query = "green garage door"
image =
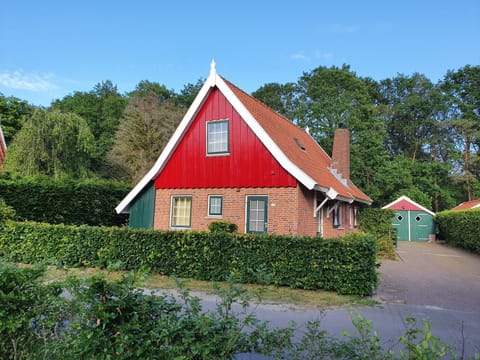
(413, 225)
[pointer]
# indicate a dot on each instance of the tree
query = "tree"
(102, 108)
(188, 93)
(278, 97)
(462, 87)
(146, 87)
(146, 127)
(414, 110)
(51, 143)
(13, 114)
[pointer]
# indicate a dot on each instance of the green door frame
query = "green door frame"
(260, 211)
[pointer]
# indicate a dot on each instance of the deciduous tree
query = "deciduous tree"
(146, 127)
(51, 143)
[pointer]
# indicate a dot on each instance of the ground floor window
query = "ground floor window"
(181, 211)
(215, 203)
(257, 214)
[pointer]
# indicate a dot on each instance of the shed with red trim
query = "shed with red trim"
(412, 221)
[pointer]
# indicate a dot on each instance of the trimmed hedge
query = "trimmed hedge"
(460, 228)
(379, 223)
(90, 202)
(345, 265)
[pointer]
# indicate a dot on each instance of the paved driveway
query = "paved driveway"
(432, 275)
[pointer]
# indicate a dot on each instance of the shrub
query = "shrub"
(90, 202)
(345, 265)
(379, 223)
(460, 228)
(6, 212)
(225, 226)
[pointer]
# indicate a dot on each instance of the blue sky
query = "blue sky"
(51, 48)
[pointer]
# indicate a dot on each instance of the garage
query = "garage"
(411, 221)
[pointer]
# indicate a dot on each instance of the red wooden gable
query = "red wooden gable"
(249, 163)
(405, 205)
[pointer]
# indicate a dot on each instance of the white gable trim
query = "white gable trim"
(406, 198)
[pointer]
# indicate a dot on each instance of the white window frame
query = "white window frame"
(208, 140)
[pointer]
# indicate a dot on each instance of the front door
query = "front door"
(257, 214)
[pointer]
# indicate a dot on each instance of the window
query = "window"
(215, 203)
(355, 217)
(337, 216)
(181, 211)
(218, 137)
(257, 214)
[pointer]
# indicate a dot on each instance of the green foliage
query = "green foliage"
(379, 223)
(6, 212)
(42, 199)
(13, 114)
(29, 312)
(345, 265)
(145, 128)
(460, 228)
(51, 143)
(225, 226)
(102, 319)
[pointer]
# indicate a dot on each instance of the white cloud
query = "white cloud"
(300, 56)
(314, 55)
(22, 81)
(344, 29)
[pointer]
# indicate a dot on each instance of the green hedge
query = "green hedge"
(90, 202)
(379, 223)
(345, 265)
(460, 228)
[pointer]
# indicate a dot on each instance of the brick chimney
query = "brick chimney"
(341, 151)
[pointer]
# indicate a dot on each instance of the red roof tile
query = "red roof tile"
(468, 205)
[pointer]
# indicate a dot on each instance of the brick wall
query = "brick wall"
(290, 209)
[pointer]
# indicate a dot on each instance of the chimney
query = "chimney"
(341, 151)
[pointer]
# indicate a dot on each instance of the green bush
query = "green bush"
(6, 212)
(460, 228)
(225, 226)
(90, 202)
(345, 265)
(379, 223)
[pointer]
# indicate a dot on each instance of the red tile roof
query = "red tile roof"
(314, 161)
(468, 205)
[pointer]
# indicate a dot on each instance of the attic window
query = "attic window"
(218, 137)
(299, 143)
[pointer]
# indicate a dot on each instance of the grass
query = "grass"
(266, 294)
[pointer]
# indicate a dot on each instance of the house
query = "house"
(467, 205)
(3, 148)
(412, 221)
(232, 158)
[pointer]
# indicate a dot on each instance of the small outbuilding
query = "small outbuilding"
(412, 221)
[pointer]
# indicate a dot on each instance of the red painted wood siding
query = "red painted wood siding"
(249, 164)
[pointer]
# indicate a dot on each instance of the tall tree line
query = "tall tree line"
(409, 136)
